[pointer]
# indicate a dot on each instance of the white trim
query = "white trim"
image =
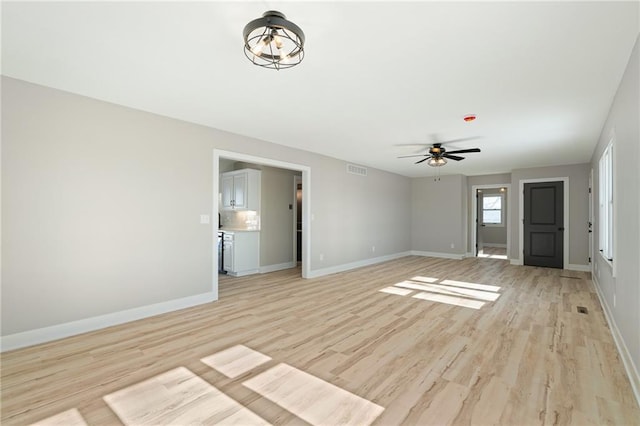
(353, 265)
(497, 245)
(575, 267)
(306, 203)
(277, 267)
(607, 249)
(516, 262)
(244, 273)
(60, 331)
(591, 219)
(565, 194)
(296, 180)
(468, 254)
(627, 359)
(474, 213)
(454, 256)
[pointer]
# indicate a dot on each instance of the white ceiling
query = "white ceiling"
(540, 76)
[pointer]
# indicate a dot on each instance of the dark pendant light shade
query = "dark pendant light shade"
(273, 42)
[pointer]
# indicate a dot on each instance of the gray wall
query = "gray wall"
(622, 292)
(276, 230)
(101, 207)
(578, 175)
(439, 214)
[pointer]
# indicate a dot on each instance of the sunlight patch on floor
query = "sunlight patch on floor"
(66, 418)
(450, 300)
(178, 397)
(484, 287)
(493, 256)
(235, 361)
(459, 293)
(313, 399)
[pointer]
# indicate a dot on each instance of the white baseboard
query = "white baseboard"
(60, 331)
(243, 273)
(574, 267)
(627, 360)
(435, 254)
(469, 254)
(277, 267)
(517, 262)
(353, 265)
(494, 245)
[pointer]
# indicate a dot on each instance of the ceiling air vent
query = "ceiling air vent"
(356, 170)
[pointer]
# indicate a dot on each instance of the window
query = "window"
(605, 200)
(492, 210)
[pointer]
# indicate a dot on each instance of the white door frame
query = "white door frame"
(474, 213)
(306, 204)
(591, 227)
(565, 237)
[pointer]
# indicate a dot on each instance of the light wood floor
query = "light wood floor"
(493, 252)
(413, 341)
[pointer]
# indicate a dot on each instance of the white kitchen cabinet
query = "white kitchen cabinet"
(242, 253)
(241, 190)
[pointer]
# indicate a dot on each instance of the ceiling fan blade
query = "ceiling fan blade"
(460, 140)
(462, 151)
(424, 159)
(452, 157)
(415, 155)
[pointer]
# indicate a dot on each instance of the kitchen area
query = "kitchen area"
(256, 220)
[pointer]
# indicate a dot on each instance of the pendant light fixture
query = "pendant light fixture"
(273, 42)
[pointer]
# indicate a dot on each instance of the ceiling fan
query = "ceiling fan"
(438, 155)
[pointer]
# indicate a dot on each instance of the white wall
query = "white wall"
(101, 207)
(621, 294)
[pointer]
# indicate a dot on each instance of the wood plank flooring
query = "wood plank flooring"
(414, 341)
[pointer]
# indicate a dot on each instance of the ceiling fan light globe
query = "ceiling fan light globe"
(437, 162)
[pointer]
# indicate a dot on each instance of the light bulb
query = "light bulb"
(277, 40)
(257, 49)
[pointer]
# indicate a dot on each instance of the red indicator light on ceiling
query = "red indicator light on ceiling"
(469, 117)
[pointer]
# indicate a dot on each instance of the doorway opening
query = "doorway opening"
(491, 221)
(305, 201)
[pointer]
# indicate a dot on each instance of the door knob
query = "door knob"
(560, 229)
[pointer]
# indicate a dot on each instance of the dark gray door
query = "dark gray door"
(544, 224)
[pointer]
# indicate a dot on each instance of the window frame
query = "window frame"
(502, 218)
(606, 203)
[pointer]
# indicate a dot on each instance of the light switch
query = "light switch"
(204, 219)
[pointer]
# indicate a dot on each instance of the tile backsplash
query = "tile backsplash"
(240, 219)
